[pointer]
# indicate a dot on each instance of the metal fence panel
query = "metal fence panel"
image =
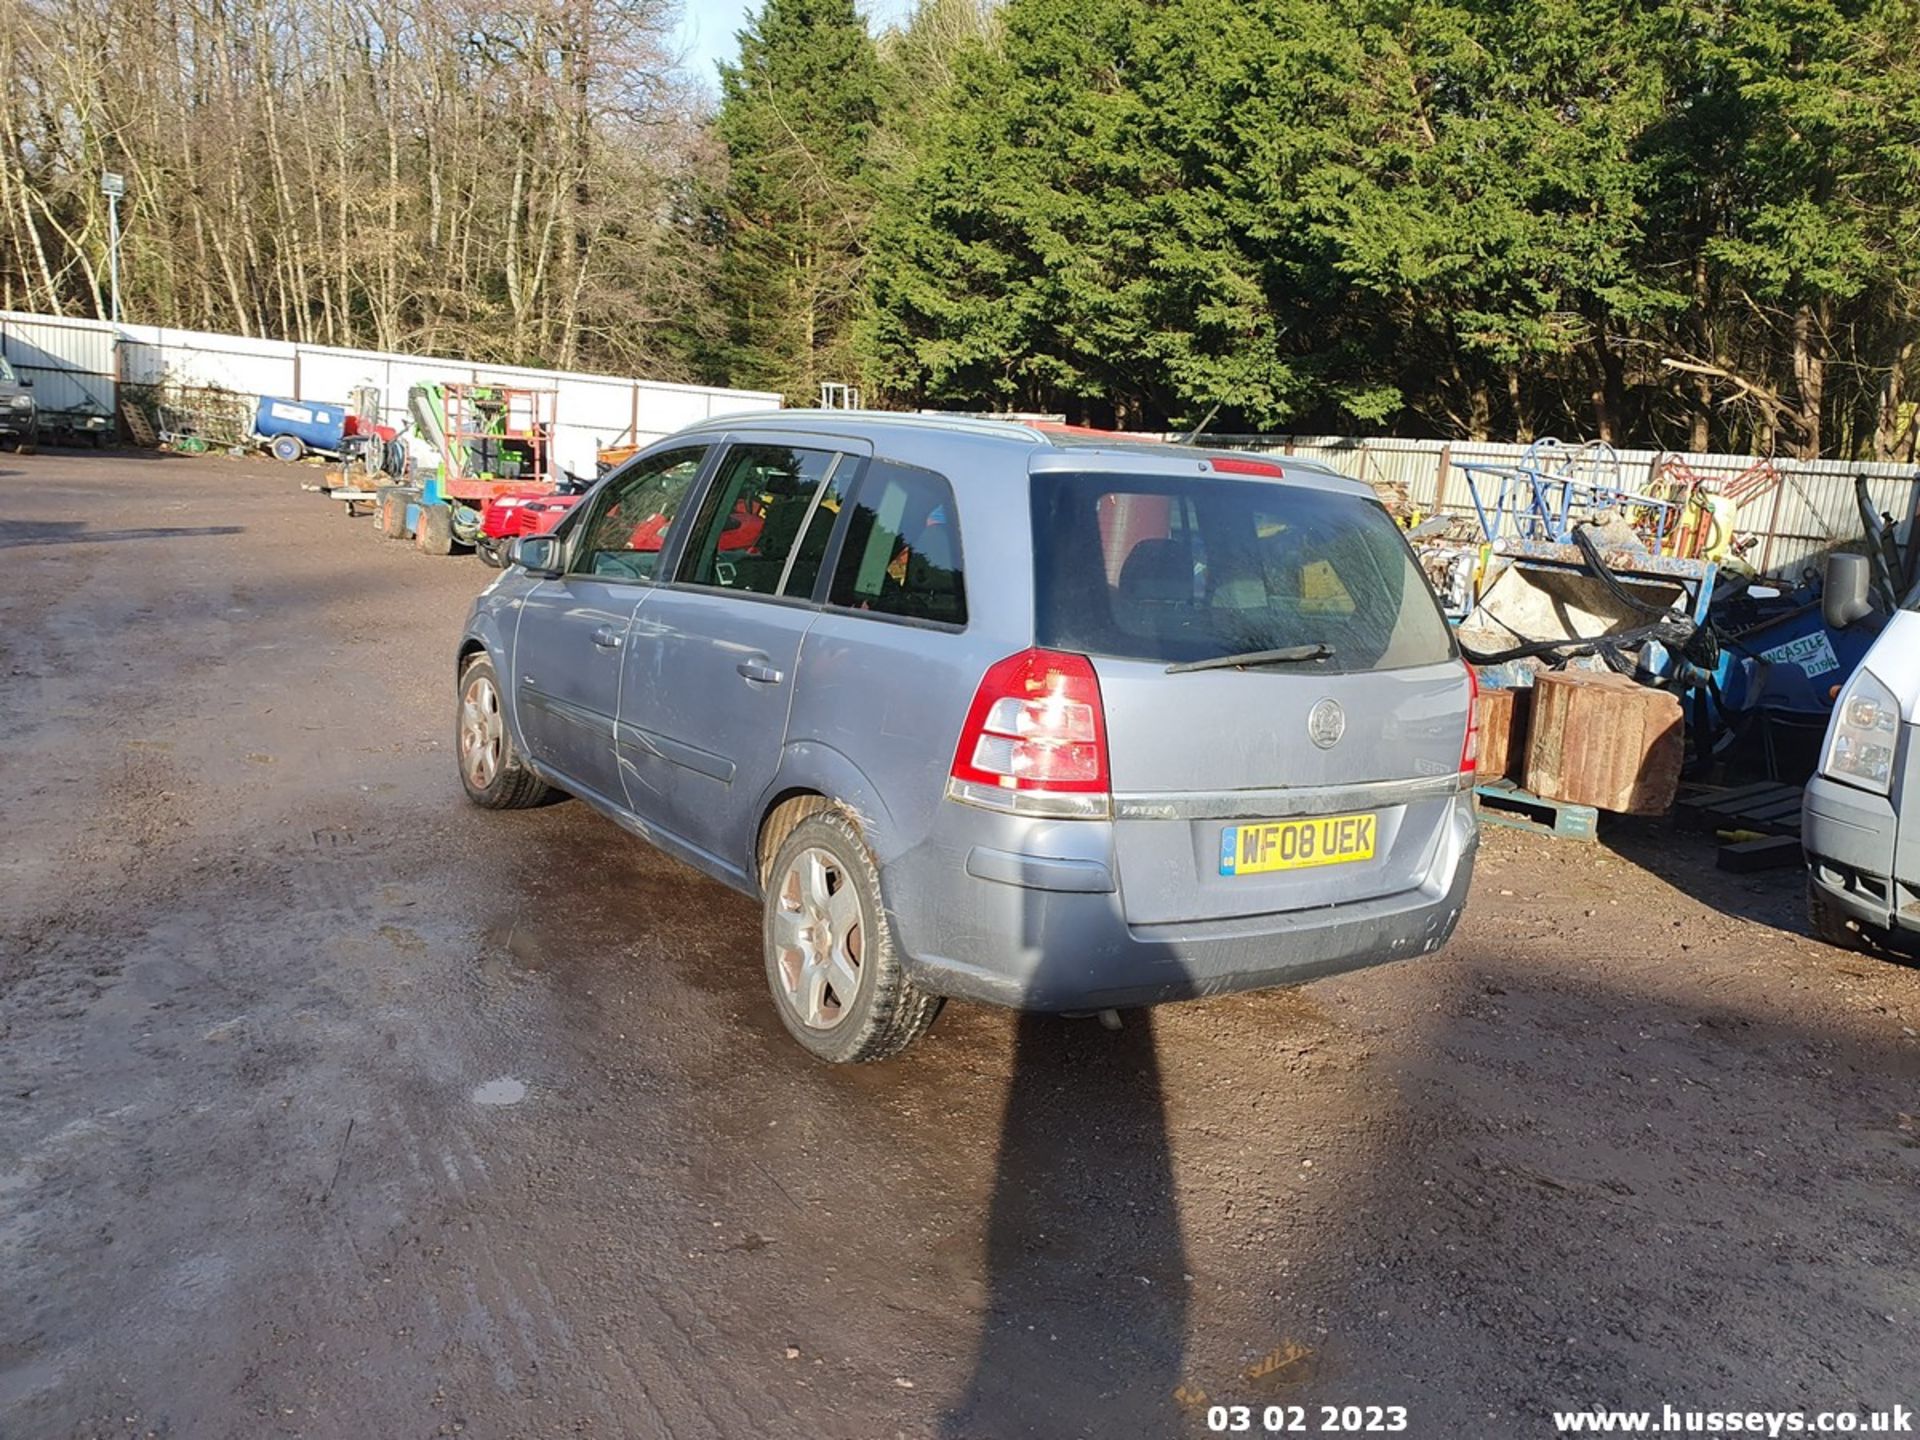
(78, 358)
(1812, 511)
(70, 362)
(154, 355)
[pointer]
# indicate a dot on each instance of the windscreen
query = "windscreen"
(1190, 568)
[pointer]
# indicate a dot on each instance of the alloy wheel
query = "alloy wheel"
(817, 938)
(482, 735)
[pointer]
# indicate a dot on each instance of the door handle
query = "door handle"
(607, 637)
(758, 669)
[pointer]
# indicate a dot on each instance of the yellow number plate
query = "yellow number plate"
(1296, 844)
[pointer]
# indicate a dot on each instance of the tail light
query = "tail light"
(1241, 465)
(1035, 739)
(1470, 747)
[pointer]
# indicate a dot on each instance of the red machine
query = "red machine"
(522, 510)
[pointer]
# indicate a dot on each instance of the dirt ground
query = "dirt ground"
(332, 1106)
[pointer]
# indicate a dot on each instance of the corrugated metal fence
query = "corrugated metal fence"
(1808, 513)
(80, 364)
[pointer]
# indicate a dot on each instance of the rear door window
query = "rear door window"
(1187, 568)
(759, 502)
(901, 555)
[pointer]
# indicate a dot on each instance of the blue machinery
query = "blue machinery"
(1577, 564)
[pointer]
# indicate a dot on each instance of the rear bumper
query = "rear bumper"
(1027, 915)
(1850, 837)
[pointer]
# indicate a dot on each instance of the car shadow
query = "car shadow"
(1086, 1278)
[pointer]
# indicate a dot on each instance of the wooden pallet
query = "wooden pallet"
(1504, 803)
(138, 426)
(1767, 809)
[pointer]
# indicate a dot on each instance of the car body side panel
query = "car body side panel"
(810, 766)
(895, 695)
(493, 622)
(1906, 845)
(567, 658)
(697, 741)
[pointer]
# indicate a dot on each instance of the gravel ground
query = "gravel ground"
(331, 1106)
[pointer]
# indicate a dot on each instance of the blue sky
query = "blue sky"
(707, 28)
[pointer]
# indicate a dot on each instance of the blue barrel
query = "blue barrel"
(316, 426)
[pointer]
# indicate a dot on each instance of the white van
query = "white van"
(1861, 825)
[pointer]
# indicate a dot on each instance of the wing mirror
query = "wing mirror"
(540, 555)
(1847, 592)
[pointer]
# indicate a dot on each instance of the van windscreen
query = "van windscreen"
(1186, 568)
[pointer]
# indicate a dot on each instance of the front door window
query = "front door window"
(624, 534)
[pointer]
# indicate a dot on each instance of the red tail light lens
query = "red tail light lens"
(1470, 748)
(1035, 739)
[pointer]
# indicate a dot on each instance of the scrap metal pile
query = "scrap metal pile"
(1564, 566)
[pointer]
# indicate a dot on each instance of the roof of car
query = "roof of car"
(893, 432)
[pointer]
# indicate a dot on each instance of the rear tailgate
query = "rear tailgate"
(1197, 758)
(1337, 702)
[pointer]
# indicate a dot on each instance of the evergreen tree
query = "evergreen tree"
(1670, 222)
(797, 116)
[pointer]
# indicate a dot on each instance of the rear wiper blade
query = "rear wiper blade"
(1290, 655)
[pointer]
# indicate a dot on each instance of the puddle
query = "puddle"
(504, 1091)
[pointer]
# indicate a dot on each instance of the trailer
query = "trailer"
(78, 426)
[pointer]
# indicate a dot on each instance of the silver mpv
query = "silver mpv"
(994, 711)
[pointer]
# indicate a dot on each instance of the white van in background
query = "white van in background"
(1861, 825)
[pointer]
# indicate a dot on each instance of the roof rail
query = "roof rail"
(1016, 430)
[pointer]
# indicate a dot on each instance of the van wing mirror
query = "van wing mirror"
(538, 555)
(1847, 592)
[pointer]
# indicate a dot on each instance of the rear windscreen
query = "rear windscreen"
(1188, 568)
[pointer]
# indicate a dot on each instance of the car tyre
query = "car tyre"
(288, 449)
(824, 928)
(492, 771)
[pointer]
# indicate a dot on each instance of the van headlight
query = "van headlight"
(1865, 734)
(23, 402)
